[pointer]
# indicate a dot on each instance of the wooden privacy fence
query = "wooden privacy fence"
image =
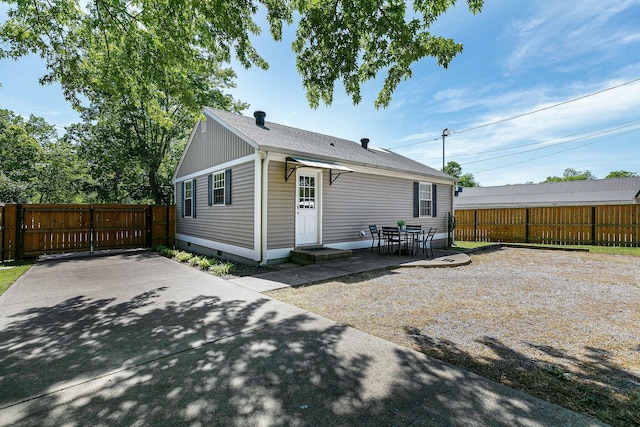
(611, 225)
(30, 230)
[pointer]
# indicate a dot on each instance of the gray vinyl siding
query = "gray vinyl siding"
(356, 200)
(231, 224)
(280, 208)
(214, 147)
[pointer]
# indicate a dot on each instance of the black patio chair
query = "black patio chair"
(393, 237)
(375, 236)
(427, 239)
(414, 234)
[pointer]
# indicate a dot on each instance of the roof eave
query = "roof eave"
(294, 153)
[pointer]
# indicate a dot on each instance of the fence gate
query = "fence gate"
(35, 229)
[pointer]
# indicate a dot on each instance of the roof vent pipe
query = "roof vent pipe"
(364, 142)
(260, 115)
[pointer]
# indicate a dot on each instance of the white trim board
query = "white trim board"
(217, 168)
(218, 246)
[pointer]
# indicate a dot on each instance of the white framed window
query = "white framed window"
(307, 192)
(425, 199)
(187, 200)
(218, 188)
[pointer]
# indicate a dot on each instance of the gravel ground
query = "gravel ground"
(573, 315)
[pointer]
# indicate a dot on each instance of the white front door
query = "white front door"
(308, 207)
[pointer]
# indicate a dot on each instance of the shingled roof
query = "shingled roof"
(614, 191)
(297, 142)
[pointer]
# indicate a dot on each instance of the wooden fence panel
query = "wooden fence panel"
(35, 229)
(617, 225)
(499, 225)
(560, 225)
(465, 225)
(50, 229)
(614, 225)
(119, 226)
(163, 225)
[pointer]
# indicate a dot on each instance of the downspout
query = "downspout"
(450, 239)
(265, 159)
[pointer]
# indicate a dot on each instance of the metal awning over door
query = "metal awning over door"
(335, 170)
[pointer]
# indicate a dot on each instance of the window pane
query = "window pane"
(306, 192)
(425, 199)
(218, 189)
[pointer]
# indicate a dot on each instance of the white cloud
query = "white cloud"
(562, 30)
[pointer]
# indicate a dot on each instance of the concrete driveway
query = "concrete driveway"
(137, 339)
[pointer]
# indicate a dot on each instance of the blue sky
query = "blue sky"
(519, 57)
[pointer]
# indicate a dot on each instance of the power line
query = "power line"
(524, 114)
(553, 154)
(627, 124)
(556, 144)
(562, 140)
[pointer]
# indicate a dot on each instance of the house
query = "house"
(250, 190)
(615, 191)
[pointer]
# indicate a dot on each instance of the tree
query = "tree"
(35, 164)
(19, 153)
(339, 40)
(570, 174)
(620, 174)
(468, 180)
(142, 109)
(454, 169)
(61, 176)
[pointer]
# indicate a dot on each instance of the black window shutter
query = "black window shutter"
(182, 194)
(210, 190)
(227, 187)
(193, 198)
(434, 197)
(416, 199)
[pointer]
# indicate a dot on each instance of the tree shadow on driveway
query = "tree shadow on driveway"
(208, 361)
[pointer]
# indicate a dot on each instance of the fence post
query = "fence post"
(526, 226)
(91, 231)
(149, 224)
(475, 225)
(593, 225)
(19, 249)
(167, 225)
(2, 215)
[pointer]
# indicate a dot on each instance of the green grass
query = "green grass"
(9, 275)
(463, 246)
(610, 250)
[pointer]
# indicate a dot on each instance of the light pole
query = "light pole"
(445, 133)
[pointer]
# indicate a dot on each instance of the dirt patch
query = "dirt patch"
(563, 326)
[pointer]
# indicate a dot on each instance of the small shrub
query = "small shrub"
(195, 261)
(158, 248)
(169, 253)
(221, 268)
(183, 256)
(205, 263)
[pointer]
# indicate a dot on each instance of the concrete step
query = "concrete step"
(313, 255)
